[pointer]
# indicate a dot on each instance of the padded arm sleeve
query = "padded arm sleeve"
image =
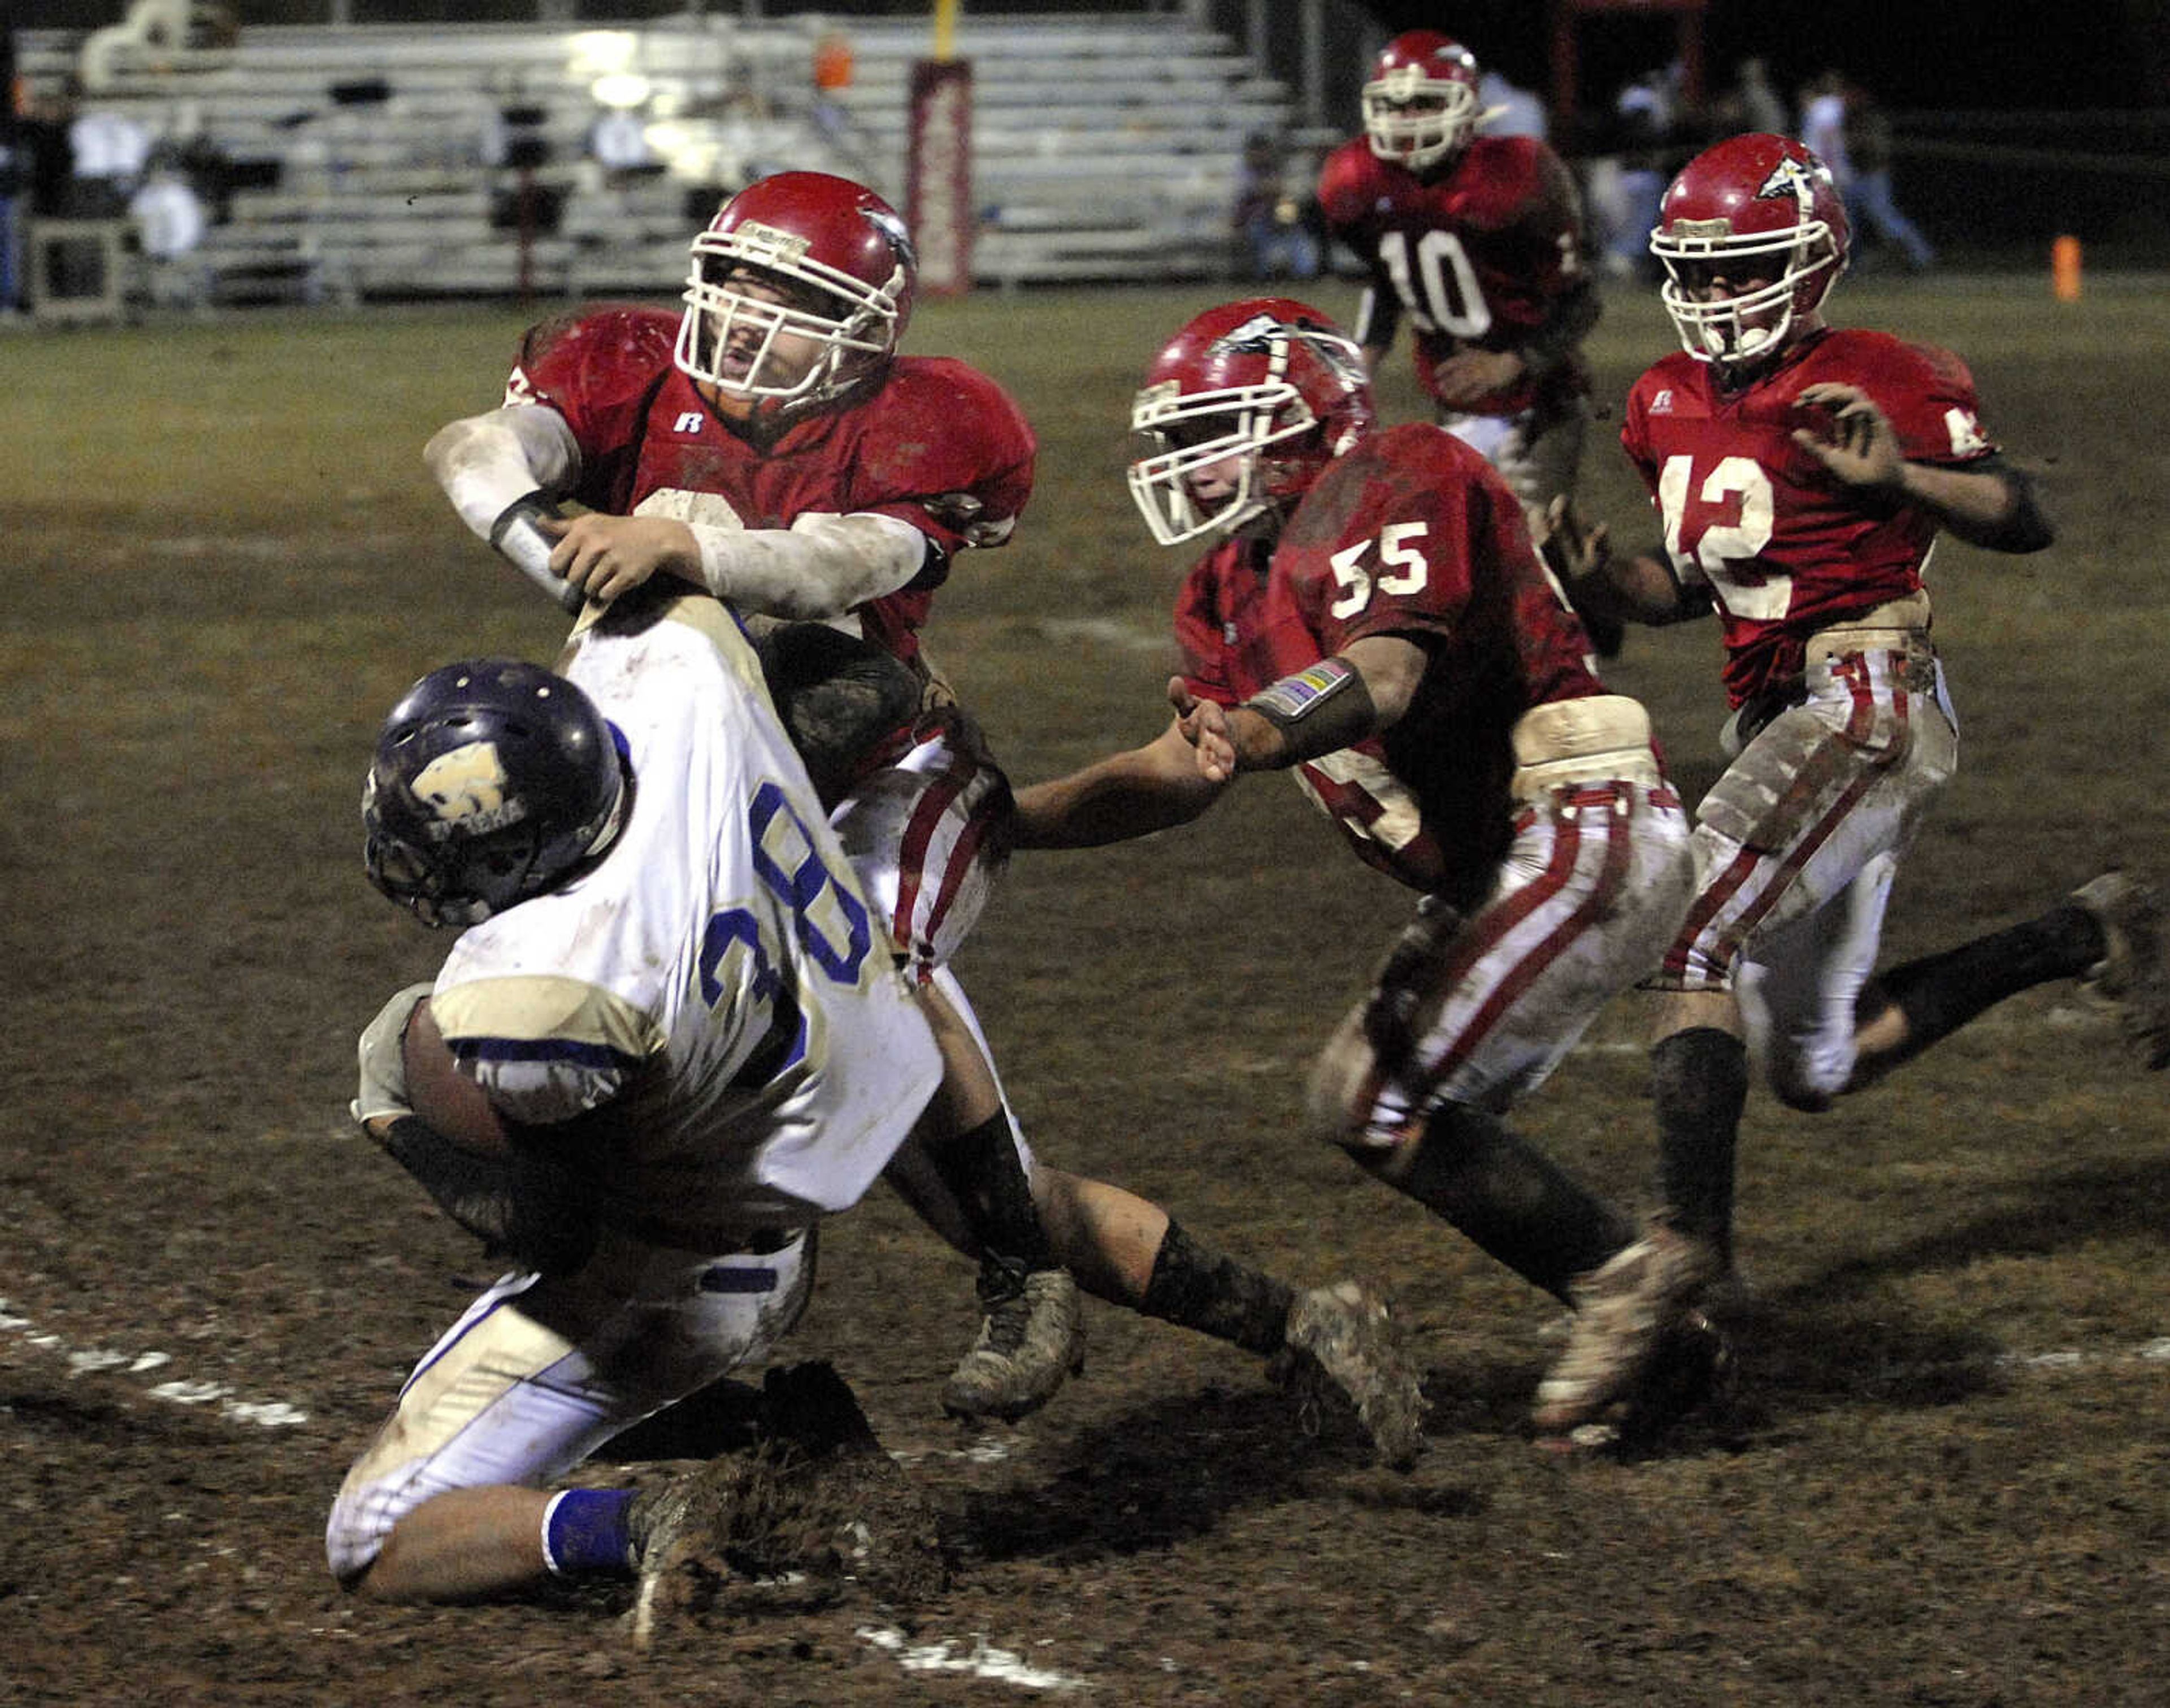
(822, 565)
(486, 463)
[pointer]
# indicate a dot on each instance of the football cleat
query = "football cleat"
(819, 1504)
(1624, 1311)
(1032, 1338)
(2132, 972)
(1341, 1341)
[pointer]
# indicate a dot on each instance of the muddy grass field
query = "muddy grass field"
(1947, 1478)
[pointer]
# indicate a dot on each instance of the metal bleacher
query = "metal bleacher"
(369, 160)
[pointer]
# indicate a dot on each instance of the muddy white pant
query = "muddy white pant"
(539, 1374)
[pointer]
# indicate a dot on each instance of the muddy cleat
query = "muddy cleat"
(1624, 1310)
(669, 1528)
(1693, 1376)
(1342, 1338)
(1031, 1337)
(2132, 972)
(817, 1508)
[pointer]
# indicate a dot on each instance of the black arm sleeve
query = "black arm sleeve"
(2028, 528)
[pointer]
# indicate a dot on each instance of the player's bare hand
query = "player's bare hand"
(1849, 435)
(1573, 550)
(1470, 376)
(606, 556)
(1205, 724)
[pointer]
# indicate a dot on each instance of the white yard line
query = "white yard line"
(979, 1659)
(265, 1414)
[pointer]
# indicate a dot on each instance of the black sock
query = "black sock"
(1699, 1084)
(1515, 1201)
(1195, 1288)
(983, 1171)
(1939, 994)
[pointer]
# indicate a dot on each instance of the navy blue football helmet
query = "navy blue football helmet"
(494, 778)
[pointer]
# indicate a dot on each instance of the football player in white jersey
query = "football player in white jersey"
(671, 1037)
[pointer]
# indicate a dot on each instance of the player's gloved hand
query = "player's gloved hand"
(383, 1089)
(1849, 435)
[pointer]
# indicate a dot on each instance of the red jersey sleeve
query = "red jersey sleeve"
(1210, 632)
(599, 370)
(946, 449)
(1928, 394)
(1350, 186)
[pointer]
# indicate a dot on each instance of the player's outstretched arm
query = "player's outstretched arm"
(487, 463)
(1360, 692)
(1985, 503)
(1629, 587)
(1128, 795)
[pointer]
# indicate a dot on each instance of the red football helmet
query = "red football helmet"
(1266, 371)
(801, 258)
(1760, 212)
(1421, 104)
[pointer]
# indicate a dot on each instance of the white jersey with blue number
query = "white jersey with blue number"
(716, 997)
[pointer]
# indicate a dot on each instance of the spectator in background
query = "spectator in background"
(1272, 224)
(1823, 128)
(1646, 115)
(170, 223)
(109, 151)
(14, 180)
(42, 155)
(1750, 105)
(617, 141)
(1510, 110)
(1869, 204)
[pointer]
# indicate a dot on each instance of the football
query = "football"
(446, 1100)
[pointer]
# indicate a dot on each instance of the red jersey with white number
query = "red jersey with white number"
(1784, 547)
(938, 444)
(1476, 257)
(1411, 533)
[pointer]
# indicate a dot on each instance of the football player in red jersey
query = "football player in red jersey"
(1369, 613)
(1479, 241)
(771, 444)
(1801, 474)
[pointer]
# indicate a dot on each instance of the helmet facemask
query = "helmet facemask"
(1748, 326)
(1416, 121)
(729, 335)
(1193, 432)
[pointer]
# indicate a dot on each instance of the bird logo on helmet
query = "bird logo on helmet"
(797, 292)
(1243, 409)
(494, 780)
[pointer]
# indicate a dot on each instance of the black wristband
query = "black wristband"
(529, 507)
(1301, 694)
(517, 538)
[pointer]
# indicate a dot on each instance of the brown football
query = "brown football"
(445, 1100)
